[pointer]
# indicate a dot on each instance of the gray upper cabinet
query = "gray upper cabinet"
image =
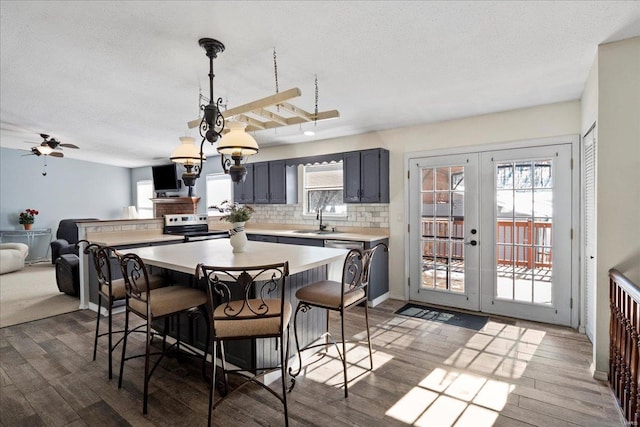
(261, 182)
(243, 191)
(274, 183)
(366, 176)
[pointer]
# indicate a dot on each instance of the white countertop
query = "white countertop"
(218, 252)
(131, 237)
(339, 235)
(134, 237)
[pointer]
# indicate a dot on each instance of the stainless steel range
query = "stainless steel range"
(192, 226)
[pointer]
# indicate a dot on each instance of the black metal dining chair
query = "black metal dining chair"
(110, 291)
(155, 304)
(337, 296)
(247, 303)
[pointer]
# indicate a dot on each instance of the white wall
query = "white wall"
(589, 104)
(618, 181)
(71, 189)
(589, 101)
(537, 122)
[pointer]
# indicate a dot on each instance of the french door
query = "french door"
(444, 223)
(491, 232)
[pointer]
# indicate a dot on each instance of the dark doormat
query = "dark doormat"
(464, 320)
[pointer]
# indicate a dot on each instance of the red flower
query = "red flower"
(28, 216)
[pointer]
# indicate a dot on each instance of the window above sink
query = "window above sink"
(323, 189)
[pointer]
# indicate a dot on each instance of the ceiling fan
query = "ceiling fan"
(48, 145)
(35, 151)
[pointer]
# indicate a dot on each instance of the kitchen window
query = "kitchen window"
(323, 190)
(219, 189)
(144, 194)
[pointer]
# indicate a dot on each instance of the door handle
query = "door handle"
(472, 243)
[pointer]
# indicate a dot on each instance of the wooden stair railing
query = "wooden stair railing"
(624, 327)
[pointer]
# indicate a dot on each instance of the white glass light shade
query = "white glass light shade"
(45, 149)
(186, 153)
(237, 142)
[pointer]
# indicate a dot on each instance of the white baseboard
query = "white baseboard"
(379, 300)
(598, 375)
(103, 311)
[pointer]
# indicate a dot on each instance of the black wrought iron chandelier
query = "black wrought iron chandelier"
(233, 147)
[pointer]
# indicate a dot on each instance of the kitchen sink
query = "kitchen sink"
(317, 232)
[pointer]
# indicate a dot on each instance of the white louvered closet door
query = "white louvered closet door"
(589, 228)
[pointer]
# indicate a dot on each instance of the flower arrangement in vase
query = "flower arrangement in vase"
(237, 215)
(234, 212)
(27, 218)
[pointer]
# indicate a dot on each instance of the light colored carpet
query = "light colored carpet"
(32, 294)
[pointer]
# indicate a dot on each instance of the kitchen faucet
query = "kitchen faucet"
(319, 216)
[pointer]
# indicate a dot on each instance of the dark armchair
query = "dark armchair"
(66, 238)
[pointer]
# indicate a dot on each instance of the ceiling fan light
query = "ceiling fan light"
(45, 149)
(237, 142)
(186, 152)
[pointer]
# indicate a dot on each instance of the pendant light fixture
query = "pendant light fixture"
(187, 154)
(233, 147)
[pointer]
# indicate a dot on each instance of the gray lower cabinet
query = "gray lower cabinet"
(379, 283)
(301, 241)
(262, 238)
(366, 176)
(286, 240)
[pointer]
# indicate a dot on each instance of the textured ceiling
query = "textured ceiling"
(121, 79)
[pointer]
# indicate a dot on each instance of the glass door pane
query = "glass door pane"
(446, 208)
(526, 222)
(442, 226)
(524, 219)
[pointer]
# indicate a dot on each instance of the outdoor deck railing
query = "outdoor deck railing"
(520, 243)
(624, 299)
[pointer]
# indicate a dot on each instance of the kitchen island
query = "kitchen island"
(306, 264)
(185, 257)
(125, 234)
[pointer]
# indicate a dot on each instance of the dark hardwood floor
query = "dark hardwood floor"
(510, 373)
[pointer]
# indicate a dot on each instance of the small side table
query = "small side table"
(38, 240)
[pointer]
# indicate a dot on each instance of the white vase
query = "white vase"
(237, 237)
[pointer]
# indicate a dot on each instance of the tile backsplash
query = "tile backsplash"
(358, 215)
